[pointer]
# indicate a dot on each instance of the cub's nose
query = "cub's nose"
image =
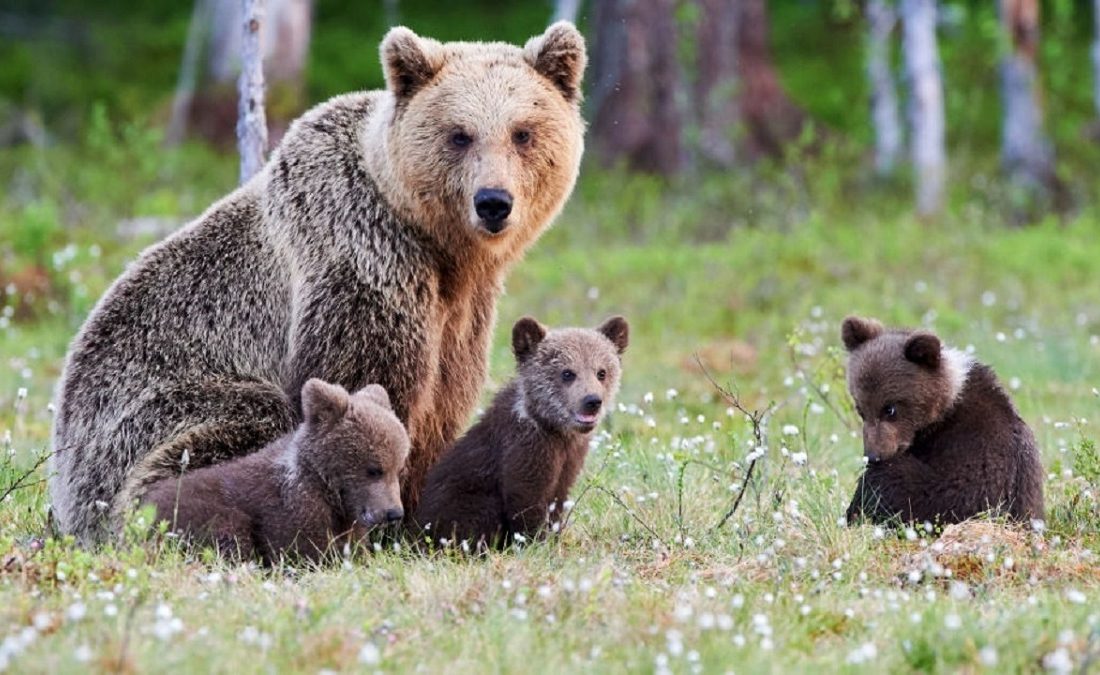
(591, 404)
(394, 515)
(493, 206)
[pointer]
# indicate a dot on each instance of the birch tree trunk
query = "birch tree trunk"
(926, 116)
(638, 88)
(1096, 57)
(881, 19)
(189, 71)
(251, 121)
(566, 10)
(716, 89)
(1025, 151)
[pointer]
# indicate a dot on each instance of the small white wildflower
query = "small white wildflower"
(21, 393)
(799, 458)
(988, 656)
(671, 394)
(370, 655)
(41, 621)
(952, 622)
(76, 611)
(1076, 597)
(83, 654)
(648, 398)
(790, 430)
(1058, 661)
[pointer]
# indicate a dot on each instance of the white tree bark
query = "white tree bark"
(926, 115)
(566, 10)
(251, 121)
(1026, 153)
(881, 19)
(1096, 57)
(189, 71)
(286, 34)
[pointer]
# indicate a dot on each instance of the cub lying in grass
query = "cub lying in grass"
(300, 494)
(943, 440)
(512, 471)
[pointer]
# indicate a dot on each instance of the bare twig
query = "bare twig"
(23, 480)
(618, 500)
(758, 419)
(846, 420)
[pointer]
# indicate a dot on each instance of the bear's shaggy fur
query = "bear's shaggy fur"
(511, 473)
(943, 440)
(297, 496)
(371, 248)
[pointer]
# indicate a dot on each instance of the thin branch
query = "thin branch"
(22, 481)
(758, 419)
(618, 500)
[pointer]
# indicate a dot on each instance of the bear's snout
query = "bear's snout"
(493, 206)
(395, 514)
(591, 404)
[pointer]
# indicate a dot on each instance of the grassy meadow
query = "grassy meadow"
(652, 572)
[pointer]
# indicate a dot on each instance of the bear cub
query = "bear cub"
(942, 438)
(511, 473)
(337, 472)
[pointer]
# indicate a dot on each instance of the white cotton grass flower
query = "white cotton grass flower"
(1058, 661)
(370, 655)
(987, 656)
(790, 430)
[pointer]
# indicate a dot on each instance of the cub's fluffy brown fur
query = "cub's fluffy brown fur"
(943, 440)
(357, 255)
(512, 471)
(300, 494)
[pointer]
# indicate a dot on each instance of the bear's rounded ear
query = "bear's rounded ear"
(857, 330)
(376, 393)
(617, 330)
(409, 61)
(526, 336)
(323, 403)
(559, 55)
(924, 349)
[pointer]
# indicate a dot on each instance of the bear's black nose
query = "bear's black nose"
(591, 404)
(493, 205)
(394, 515)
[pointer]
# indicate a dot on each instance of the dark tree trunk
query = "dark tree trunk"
(716, 95)
(770, 117)
(638, 86)
(1025, 151)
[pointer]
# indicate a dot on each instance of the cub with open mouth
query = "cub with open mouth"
(510, 475)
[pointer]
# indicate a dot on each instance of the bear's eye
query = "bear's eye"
(461, 139)
(601, 374)
(521, 137)
(374, 472)
(889, 411)
(568, 376)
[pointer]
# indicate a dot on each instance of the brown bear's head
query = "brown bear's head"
(484, 140)
(357, 446)
(902, 381)
(569, 376)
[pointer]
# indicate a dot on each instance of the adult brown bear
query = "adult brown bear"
(371, 248)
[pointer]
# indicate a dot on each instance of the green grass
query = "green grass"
(642, 579)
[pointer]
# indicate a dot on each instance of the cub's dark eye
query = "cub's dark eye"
(568, 376)
(889, 411)
(601, 374)
(374, 472)
(521, 137)
(461, 139)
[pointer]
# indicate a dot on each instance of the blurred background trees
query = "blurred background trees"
(882, 97)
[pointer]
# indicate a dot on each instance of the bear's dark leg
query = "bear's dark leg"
(212, 422)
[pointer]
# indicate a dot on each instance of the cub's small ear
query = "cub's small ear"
(617, 330)
(377, 394)
(856, 330)
(526, 336)
(924, 349)
(323, 403)
(409, 61)
(559, 55)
